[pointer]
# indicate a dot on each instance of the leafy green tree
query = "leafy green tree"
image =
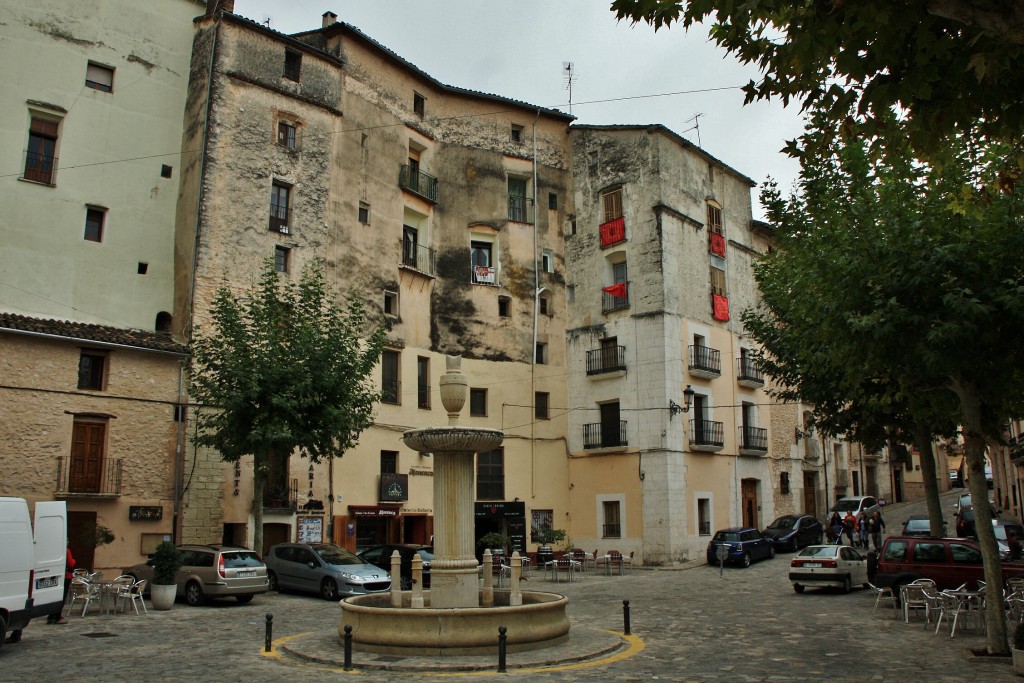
(886, 308)
(283, 368)
(945, 64)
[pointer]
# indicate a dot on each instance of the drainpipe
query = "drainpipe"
(536, 314)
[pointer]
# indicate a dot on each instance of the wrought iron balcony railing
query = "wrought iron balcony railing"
(391, 391)
(748, 373)
(423, 396)
(519, 209)
(705, 361)
(85, 476)
(418, 182)
(707, 434)
(753, 439)
(42, 168)
(282, 496)
(606, 359)
(418, 256)
(609, 434)
(611, 531)
(615, 297)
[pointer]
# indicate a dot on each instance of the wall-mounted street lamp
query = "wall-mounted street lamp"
(674, 408)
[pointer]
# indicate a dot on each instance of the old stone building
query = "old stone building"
(441, 207)
(90, 131)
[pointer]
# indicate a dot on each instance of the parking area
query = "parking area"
(691, 625)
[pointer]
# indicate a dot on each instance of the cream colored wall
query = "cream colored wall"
(110, 150)
(36, 418)
(597, 477)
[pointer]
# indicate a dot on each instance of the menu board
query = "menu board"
(310, 530)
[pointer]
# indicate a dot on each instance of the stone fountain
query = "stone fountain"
(455, 616)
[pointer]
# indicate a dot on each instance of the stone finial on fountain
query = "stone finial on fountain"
(453, 388)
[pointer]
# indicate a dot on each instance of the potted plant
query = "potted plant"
(166, 563)
(494, 541)
(1018, 650)
(546, 536)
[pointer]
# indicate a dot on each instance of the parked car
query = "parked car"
(963, 501)
(949, 562)
(920, 525)
(828, 565)
(1008, 531)
(212, 571)
(325, 568)
(745, 545)
(856, 505)
(795, 531)
(380, 555)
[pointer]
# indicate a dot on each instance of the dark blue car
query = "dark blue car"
(745, 545)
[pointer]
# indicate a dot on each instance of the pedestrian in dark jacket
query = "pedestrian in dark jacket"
(69, 573)
(862, 530)
(850, 526)
(877, 527)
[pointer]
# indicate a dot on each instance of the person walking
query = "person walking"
(849, 526)
(862, 530)
(835, 528)
(69, 573)
(877, 527)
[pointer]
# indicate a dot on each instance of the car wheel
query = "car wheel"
(771, 552)
(193, 593)
(866, 585)
(3, 630)
(847, 585)
(272, 581)
(746, 559)
(798, 588)
(328, 589)
(244, 599)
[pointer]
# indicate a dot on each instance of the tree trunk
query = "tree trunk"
(974, 454)
(259, 482)
(923, 441)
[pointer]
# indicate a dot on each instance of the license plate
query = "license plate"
(812, 565)
(247, 574)
(48, 582)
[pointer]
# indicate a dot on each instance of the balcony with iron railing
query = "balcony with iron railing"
(485, 275)
(704, 528)
(280, 219)
(40, 168)
(391, 391)
(418, 182)
(418, 257)
(88, 477)
(705, 362)
(423, 396)
(282, 496)
(748, 373)
(753, 440)
(707, 435)
(606, 359)
(615, 297)
(609, 434)
(519, 209)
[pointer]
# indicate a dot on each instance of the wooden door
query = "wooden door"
(82, 538)
(811, 494)
(749, 496)
(87, 439)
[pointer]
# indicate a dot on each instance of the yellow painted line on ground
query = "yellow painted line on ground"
(634, 646)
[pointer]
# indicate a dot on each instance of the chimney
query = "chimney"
(329, 18)
(214, 6)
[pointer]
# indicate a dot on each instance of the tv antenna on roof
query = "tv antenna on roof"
(266, 21)
(696, 126)
(568, 72)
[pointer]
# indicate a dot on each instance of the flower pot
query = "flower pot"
(1018, 661)
(162, 595)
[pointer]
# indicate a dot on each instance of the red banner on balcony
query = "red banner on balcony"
(719, 307)
(718, 244)
(619, 291)
(613, 231)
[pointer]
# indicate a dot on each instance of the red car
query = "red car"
(949, 562)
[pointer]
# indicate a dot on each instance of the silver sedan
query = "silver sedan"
(828, 565)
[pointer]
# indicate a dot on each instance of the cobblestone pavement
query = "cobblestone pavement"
(687, 625)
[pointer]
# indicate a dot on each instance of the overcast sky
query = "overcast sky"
(623, 74)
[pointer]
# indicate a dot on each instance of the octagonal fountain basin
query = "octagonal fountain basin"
(453, 439)
(378, 627)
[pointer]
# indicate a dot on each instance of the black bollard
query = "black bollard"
(501, 648)
(625, 617)
(348, 647)
(268, 647)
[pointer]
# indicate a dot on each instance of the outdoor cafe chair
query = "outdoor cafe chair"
(85, 591)
(133, 593)
(884, 593)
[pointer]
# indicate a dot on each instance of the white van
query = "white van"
(31, 565)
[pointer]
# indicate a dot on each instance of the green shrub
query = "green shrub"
(166, 563)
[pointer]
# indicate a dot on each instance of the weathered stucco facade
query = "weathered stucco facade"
(398, 182)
